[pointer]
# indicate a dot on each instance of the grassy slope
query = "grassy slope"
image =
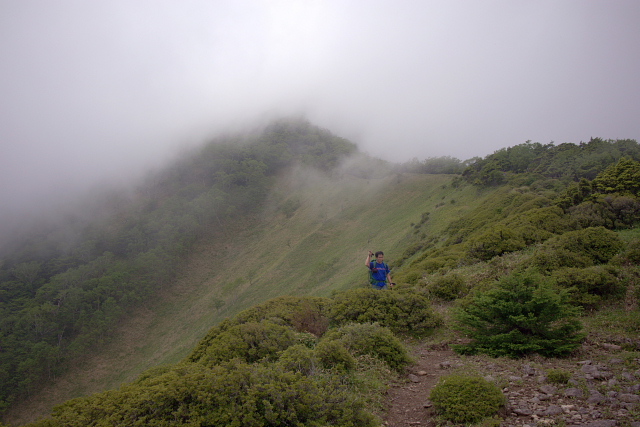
(318, 250)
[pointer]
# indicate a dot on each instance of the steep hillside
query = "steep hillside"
(516, 233)
(315, 247)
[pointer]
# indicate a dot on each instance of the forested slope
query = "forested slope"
(63, 288)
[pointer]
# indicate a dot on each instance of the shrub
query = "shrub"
(596, 243)
(495, 242)
(448, 287)
(305, 314)
(466, 399)
(400, 311)
(558, 376)
(299, 312)
(334, 355)
(521, 315)
(298, 358)
(371, 339)
(588, 286)
(549, 259)
(250, 342)
(233, 394)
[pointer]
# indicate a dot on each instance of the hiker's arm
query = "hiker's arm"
(368, 261)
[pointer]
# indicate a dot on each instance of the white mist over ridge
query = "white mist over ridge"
(97, 93)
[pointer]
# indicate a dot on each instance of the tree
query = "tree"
(523, 314)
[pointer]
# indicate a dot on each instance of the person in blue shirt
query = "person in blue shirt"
(380, 273)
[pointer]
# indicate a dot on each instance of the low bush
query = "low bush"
(558, 376)
(448, 287)
(589, 286)
(466, 399)
(333, 355)
(371, 339)
(251, 342)
(596, 243)
(298, 358)
(305, 314)
(401, 311)
(234, 394)
(494, 242)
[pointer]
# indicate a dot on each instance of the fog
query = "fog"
(95, 92)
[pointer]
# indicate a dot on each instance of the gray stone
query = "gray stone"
(548, 389)
(522, 411)
(601, 423)
(627, 376)
(629, 398)
(553, 410)
(573, 392)
(611, 347)
(595, 397)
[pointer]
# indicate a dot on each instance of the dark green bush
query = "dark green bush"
(371, 339)
(448, 287)
(305, 314)
(235, 394)
(629, 256)
(596, 243)
(332, 354)
(522, 315)
(588, 286)
(466, 399)
(401, 311)
(298, 358)
(251, 342)
(549, 259)
(286, 310)
(494, 242)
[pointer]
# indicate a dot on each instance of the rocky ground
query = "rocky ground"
(603, 387)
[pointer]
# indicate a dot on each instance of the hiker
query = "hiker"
(379, 272)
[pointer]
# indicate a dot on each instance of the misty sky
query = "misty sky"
(91, 90)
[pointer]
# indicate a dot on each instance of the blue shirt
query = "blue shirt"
(382, 270)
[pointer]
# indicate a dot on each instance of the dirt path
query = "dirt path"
(409, 399)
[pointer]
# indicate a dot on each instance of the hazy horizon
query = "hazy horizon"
(101, 92)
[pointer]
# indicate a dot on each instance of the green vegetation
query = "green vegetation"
(254, 373)
(558, 376)
(534, 246)
(402, 311)
(521, 315)
(466, 399)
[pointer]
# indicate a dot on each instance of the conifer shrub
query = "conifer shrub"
(466, 399)
(371, 339)
(402, 311)
(522, 314)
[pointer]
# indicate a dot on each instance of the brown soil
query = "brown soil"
(409, 398)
